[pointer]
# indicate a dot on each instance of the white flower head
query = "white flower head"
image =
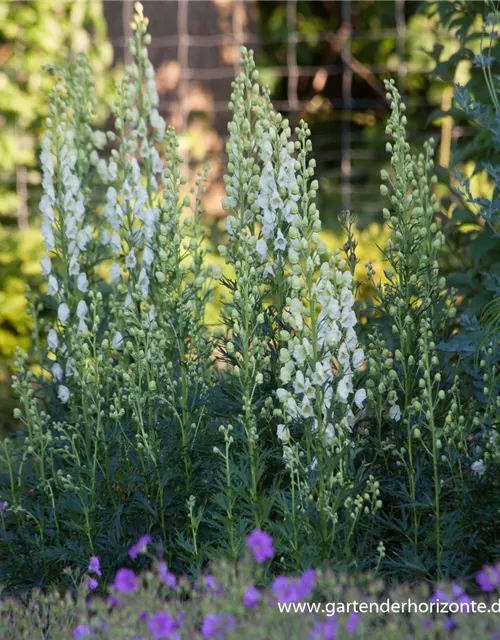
(57, 372)
(81, 309)
(360, 397)
(345, 388)
(63, 394)
(261, 248)
(395, 412)
(52, 340)
(52, 286)
(478, 467)
(130, 260)
(283, 433)
(46, 265)
(117, 340)
(358, 357)
(280, 242)
(82, 283)
(63, 312)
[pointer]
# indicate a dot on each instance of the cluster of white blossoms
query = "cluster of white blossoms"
(270, 183)
(65, 228)
(320, 352)
(136, 168)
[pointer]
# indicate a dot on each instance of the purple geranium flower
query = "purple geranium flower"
(125, 581)
(212, 585)
(439, 594)
(261, 545)
(3, 506)
(461, 596)
(285, 589)
(305, 584)
(95, 566)
(216, 625)
(82, 631)
(352, 623)
(92, 584)
(251, 597)
(488, 578)
(325, 630)
(168, 578)
(162, 625)
(139, 547)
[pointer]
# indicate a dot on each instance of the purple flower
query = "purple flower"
(95, 565)
(305, 584)
(461, 596)
(488, 578)
(162, 625)
(285, 589)
(212, 585)
(251, 597)
(439, 594)
(261, 545)
(168, 578)
(139, 547)
(92, 584)
(3, 506)
(325, 630)
(114, 600)
(82, 631)
(352, 623)
(449, 624)
(216, 625)
(125, 581)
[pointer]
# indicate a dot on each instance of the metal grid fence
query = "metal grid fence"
(187, 32)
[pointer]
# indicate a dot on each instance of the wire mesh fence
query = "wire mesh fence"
(195, 50)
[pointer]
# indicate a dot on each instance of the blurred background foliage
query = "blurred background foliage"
(32, 35)
(325, 61)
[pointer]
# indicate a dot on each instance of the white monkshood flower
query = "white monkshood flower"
(148, 256)
(74, 265)
(261, 248)
(143, 282)
(319, 375)
(268, 271)
(117, 340)
(283, 433)
(358, 357)
(359, 397)
(478, 467)
(231, 225)
(57, 372)
(48, 235)
(63, 312)
(395, 413)
(52, 286)
(63, 394)
(131, 260)
(52, 340)
(344, 388)
(82, 327)
(46, 265)
(70, 368)
(81, 309)
(280, 242)
(82, 283)
(306, 409)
